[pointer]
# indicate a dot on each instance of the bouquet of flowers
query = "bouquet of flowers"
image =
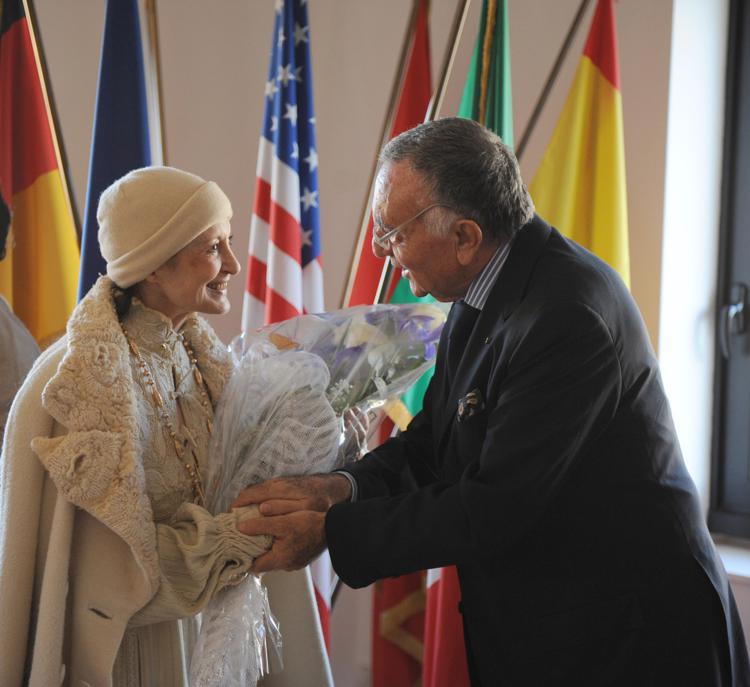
(284, 412)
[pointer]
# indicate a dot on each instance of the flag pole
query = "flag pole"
(459, 20)
(154, 65)
(390, 115)
(554, 72)
(454, 38)
(52, 117)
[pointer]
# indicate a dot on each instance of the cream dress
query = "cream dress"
(157, 654)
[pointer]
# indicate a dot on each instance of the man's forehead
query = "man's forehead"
(398, 183)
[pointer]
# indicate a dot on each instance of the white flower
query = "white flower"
(360, 332)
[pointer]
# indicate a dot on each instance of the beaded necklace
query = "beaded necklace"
(199, 496)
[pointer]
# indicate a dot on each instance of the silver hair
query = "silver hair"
(468, 168)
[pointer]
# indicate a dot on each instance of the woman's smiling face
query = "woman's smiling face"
(196, 278)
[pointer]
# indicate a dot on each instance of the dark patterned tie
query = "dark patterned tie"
(465, 317)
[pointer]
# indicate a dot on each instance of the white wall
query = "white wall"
(214, 63)
(692, 201)
(691, 223)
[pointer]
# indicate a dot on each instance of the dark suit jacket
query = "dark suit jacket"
(561, 495)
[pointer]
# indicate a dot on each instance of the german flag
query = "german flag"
(40, 273)
(580, 184)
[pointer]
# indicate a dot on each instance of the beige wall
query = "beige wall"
(214, 62)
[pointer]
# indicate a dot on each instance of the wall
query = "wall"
(691, 241)
(214, 65)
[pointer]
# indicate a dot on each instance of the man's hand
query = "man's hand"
(284, 495)
(298, 538)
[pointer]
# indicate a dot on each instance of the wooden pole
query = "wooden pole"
(390, 115)
(434, 107)
(457, 29)
(436, 103)
(52, 118)
(154, 65)
(547, 88)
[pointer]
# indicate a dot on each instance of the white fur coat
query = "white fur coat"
(78, 551)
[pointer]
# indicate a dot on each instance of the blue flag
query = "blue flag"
(120, 141)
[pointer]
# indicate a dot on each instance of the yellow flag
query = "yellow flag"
(580, 185)
(40, 273)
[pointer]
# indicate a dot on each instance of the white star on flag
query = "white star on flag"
(285, 75)
(271, 89)
(309, 199)
(291, 114)
(284, 270)
(300, 34)
(312, 159)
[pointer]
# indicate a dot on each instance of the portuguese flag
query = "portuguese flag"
(39, 275)
(487, 96)
(413, 101)
(398, 602)
(486, 99)
(580, 184)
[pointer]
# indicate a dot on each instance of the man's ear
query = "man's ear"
(468, 235)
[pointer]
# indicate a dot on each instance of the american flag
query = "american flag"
(284, 275)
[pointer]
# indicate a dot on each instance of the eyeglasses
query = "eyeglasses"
(385, 237)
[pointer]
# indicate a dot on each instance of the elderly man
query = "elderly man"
(545, 463)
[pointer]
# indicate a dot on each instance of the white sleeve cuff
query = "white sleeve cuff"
(352, 482)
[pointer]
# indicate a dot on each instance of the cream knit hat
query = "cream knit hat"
(150, 214)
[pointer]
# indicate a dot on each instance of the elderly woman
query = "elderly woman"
(107, 553)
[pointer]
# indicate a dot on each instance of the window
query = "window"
(729, 511)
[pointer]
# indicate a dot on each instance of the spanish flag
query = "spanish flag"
(580, 184)
(39, 275)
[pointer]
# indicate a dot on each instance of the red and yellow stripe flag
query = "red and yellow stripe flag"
(580, 185)
(40, 273)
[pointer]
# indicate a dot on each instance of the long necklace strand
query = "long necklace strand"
(158, 401)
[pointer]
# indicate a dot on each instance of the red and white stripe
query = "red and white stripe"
(277, 286)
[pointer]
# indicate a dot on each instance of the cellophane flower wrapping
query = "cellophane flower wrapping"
(291, 407)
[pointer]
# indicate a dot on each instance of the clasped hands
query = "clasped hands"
(294, 511)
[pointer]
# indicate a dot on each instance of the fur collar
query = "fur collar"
(92, 396)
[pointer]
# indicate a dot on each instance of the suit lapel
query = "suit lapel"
(505, 295)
